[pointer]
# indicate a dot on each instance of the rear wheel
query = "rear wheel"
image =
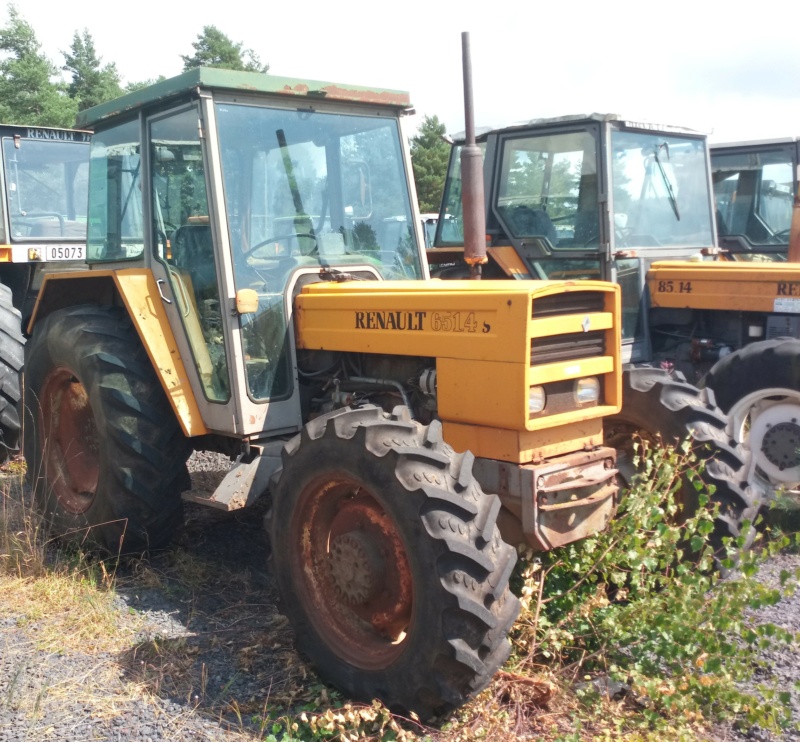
(662, 409)
(389, 561)
(12, 351)
(105, 455)
(759, 387)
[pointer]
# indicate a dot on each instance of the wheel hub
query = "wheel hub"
(355, 566)
(73, 442)
(352, 570)
(768, 425)
(781, 445)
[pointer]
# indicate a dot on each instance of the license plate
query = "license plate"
(64, 252)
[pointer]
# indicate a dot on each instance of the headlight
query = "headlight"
(537, 399)
(587, 390)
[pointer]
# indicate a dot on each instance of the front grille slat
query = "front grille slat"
(569, 347)
(575, 302)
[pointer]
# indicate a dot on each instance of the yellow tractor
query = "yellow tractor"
(256, 286)
(601, 197)
(745, 306)
(44, 175)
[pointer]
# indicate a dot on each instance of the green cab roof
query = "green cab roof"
(239, 82)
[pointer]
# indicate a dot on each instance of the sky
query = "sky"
(709, 66)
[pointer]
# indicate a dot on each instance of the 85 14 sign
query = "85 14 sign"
(674, 287)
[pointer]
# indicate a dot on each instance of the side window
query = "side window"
(754, 193)
(183, 241)
(115, 229)
(775, 198)
(627, 275)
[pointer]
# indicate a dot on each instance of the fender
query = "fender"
(138, 291)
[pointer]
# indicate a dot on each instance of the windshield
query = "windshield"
(46, 189)
(547, 188)
(315, 189)
(660, 191)
(308, 190)
(754, 195)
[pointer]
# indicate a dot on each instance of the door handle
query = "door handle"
(161, 293)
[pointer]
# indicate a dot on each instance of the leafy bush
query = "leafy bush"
(639, 611)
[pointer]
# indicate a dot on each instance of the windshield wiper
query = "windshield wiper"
(672, 200)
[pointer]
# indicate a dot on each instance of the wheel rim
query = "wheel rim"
(768, 423)
(351, 571)
(71, 450)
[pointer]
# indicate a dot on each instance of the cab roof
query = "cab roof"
(482, 133)
(754, 143)
(231, 81)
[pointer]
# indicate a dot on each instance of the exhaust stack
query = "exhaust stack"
(472, 202)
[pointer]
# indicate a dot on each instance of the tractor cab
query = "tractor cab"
(587, 197)
(43, 193)
(248, 192)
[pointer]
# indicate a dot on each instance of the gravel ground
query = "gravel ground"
(207, 651)
(205, 632)
(781, 664)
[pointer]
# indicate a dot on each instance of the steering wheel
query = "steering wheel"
(279, 238)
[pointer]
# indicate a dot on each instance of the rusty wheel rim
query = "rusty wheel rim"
(351, 571)
(71, 443)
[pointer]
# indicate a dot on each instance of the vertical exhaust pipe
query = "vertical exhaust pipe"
(472, 201)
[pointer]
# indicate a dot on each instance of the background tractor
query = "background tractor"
(600, 197)
(744, 308)
(43, 194)
(256, 286)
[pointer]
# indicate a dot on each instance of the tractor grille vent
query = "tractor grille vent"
(568, 347)
(576, 302)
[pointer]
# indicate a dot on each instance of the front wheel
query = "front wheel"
(389, 561)
(663, 409)
(105, 456)
(759, 387)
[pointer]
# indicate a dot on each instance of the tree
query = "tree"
(214, 49)
(28, 94)
(429, 156)
(92, 83)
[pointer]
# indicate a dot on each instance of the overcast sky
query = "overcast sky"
(718, 68)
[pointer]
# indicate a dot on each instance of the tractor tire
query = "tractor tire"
(106, 457)
(759, 387)
(389, 561)
(12, 356)
(661, 408)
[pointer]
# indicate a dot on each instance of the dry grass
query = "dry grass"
(22, 541)
(230, 656)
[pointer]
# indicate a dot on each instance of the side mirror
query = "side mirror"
(246, 301)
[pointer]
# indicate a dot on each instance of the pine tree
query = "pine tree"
(28, 94)
(429, 156)
(92, 83)
(214, 49)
